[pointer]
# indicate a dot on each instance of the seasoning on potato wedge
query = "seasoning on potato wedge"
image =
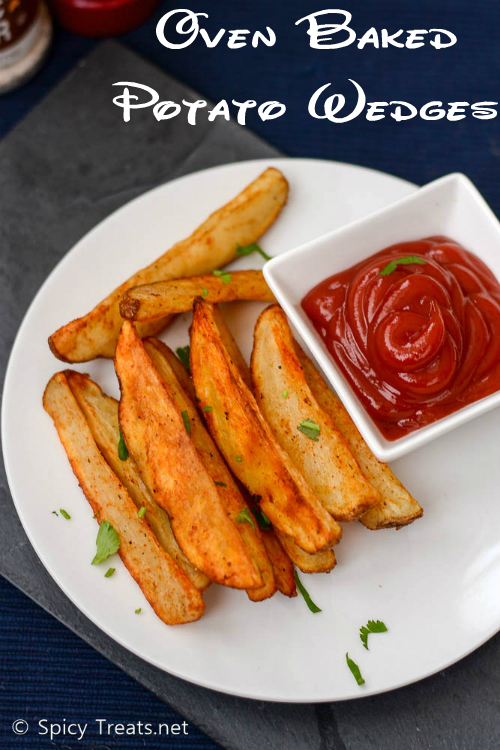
(303, 429)
(168, 589)
(101, 413)
(247, 443)
(157, 435)
(397, 507)
(213, 462)
(153, 301)
(214, 244)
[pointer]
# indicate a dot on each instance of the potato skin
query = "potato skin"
(326, 463)
(247, 443)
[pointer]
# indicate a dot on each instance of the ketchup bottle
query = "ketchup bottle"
(102, 17)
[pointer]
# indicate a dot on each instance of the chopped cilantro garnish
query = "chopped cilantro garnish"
(393, 264)
(372, 626)
(245, 517)
(64, 514)
(108, 542)
(224, 276)
(355, 670)
(187, 423)
(220, 484)
(208, 408)
(55, 513)
(309, 428)
(205, 292)
(183, 354)
(285, 393)
(262, 519)
(254, 247)
(122, 448)
(138, 611)
(312, 606)
(109, 572)
(141, 512)
(238, 458)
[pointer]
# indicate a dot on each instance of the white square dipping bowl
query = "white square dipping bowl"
(450, 206)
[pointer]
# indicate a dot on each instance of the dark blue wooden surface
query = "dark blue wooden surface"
(44, 669)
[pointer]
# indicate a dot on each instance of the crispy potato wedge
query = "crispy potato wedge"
(282, 565)
(397, 507)
(156, 434)
(240, 222)
(180, 371)
(168, 589)
(213, 462)
(247, 443)
(153, 301)
(325, 460)
(321, 562)
(101, 413)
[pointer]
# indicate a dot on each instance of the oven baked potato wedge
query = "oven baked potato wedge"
(397, 507)
(284, 574)
(240, 222)
(168, 589)
(101, 413)
(153, 301)
(157, 436)
(319, 451)
(320, 562)
(229, 493)
(247, 443)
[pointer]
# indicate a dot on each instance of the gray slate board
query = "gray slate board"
(65, 167)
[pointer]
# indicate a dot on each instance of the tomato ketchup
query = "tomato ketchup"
(415, 329)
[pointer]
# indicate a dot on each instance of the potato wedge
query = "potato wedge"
(156, 434)
(101, 413)
(247, 443)
(240, 222)
(286, 401)
(213, 462)
(232, 347)
(153, 301)
(168, 589)
(282, 565)
(397, 507)
(321, 562)
(180, 371)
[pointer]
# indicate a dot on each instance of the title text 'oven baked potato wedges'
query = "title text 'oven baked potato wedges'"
(213, 462)
(167, 588)
(247, 443)
(156, 434)
(101, 413)
(302, 428)
(240, 222)
(397, 507)
(153, 301)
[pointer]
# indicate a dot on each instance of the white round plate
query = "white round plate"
(435, 584)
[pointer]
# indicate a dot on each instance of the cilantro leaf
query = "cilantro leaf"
(141, 512)
(208, 408)
(261, 518)
(187, 423)
(221, 484)
(238, 458)
(55, 513)
(372, 626)
(312, 606)
(245, 517)
(254, 247)
(393, 264)
(183, 354)
(64, 514)
(355, 670)
(285, 393)
(108, 542)
(109, 572)
(224, 276)
(205, 292)
(122, 448)
(310, 429)
(138, 611)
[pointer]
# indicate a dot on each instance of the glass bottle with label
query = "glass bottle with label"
(25, 35)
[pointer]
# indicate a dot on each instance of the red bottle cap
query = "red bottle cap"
(102, 17)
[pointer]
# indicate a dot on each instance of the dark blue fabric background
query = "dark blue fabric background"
(44, 669)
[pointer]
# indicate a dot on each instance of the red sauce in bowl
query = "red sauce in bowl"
(415, 329)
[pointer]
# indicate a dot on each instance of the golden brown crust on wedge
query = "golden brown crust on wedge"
(152, 301)
(101, 413)
(325, 460)
(232, 347)
(157, 437)
(240, 222)
(213, 462)
(247, 443)
(180, 371)
(321, 562)
(397, 507)
(284, 573)
(167, 588)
